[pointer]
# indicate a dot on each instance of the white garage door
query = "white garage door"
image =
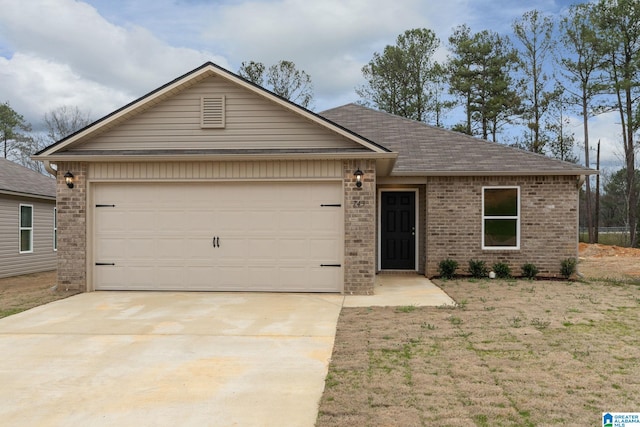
(218, 236)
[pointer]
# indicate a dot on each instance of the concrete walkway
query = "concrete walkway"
(188, 359)
(401, 290)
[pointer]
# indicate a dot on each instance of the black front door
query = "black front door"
(398, 230)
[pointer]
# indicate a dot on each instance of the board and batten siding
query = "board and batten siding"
(43, 257)
(251, 122)
(250, 170)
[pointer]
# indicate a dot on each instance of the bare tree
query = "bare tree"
(283, 79)
(65, 120)
(534, 31)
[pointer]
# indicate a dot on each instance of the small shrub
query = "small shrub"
(478, 268)
(530, 271)
(447, 268)
(568, 267)
(502, 270)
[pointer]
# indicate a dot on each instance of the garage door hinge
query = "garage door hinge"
(105, 263)
(330, 265)
(105, 206)
(338, 205)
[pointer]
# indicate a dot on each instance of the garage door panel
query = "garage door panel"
(293, 248)
(142, 248)
(324, 249)
(294, 278)
(164, 221)
(318, 277)
(165, 277)
(324, 220)
(230, 221)
(109, 220)
(262, 249)
(272, 236)
(109, 249)
(261, 220)
(168, 247)
(294, 221)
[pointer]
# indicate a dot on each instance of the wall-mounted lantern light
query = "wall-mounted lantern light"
(68, 178)
(358, 174)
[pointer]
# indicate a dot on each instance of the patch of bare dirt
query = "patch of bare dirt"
(21, 293)
(604, 261)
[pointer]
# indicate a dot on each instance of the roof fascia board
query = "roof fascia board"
(26, 195)
(218, 157)
(502, 173)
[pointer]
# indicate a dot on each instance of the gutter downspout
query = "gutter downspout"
(47, 166)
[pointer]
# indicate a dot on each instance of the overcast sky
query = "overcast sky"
(101, 54)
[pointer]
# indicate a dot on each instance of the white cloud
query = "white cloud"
(100, 54)
(36, 86)
(331, 39)
(73, 55)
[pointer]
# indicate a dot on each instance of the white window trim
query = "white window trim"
(55, 229)
(516, 217)
(21, 228)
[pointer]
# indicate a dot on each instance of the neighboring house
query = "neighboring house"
(27, 220)
(213, 183)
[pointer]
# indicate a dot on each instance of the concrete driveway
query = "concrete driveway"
(167, 359)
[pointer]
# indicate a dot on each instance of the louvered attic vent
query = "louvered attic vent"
(212, 112)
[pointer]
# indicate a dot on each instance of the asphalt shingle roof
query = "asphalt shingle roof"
(428, 150)
(18, 179)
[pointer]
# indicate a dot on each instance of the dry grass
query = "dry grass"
(21, 293)
(513, 353)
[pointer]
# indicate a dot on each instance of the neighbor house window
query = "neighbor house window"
(55, 229)
(26, 228)
(501, 217)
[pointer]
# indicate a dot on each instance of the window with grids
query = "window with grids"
(26, 228)
(501, 217)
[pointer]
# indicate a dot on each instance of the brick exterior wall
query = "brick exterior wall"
(359, 228)
(72, 227)
(548, 222)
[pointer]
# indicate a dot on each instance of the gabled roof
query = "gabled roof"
(428, 150)
(17, 180)
(58, 151)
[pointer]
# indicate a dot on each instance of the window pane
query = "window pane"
(25, 240)
(501, 201)
(25, 216)
(500, 232)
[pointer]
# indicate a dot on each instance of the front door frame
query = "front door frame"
(416, 225)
